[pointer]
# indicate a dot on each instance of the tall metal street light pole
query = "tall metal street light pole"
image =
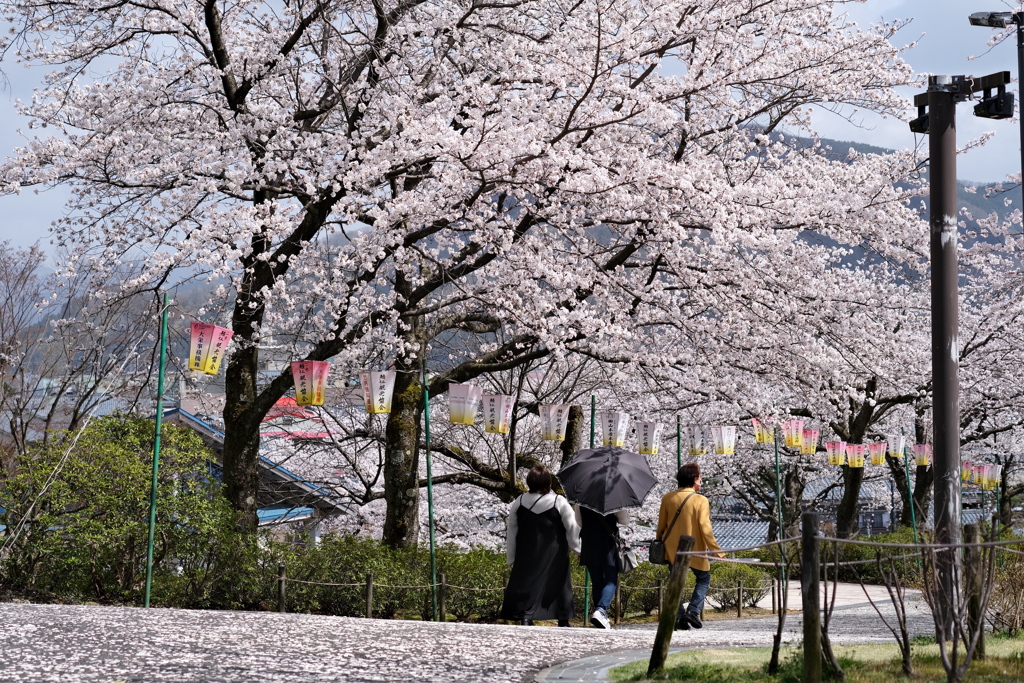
(1002, 107)
(937, 118)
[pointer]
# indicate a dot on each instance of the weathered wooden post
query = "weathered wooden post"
(281, 579)
(739, 600)
(774, 589)
(667, 618)
(973, 576)
(809, 588)
(442, 599)
(369, 595)
(661, 597)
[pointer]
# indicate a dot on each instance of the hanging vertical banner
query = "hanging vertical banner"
(310, 378)
(855, 455)
(378, 387)
(923, 454)
(497, 413)
(463, 401)
(896, 443)
(809, 442)
(207, 346)
(836, 451)
(553, 419)
(762, 432)
(877, 453)
(724, 438)
(695, 438)
(966, 471)
(649, 437)
(793, 430)
(993, 477)
(977, 474)
(614, 424)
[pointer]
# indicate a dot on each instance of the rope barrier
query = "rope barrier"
(921, 546)
(743, 550)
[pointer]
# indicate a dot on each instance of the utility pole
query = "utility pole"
(940, 124)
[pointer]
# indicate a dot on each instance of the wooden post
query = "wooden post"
(281, 579)
(809, 571)
(369, 595)
(739, 600)
(972, 571)
(618, 602)
(667, 618)
(774, 604)
(442, 599)
(661, 597)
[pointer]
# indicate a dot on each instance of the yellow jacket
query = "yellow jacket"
(694, 520)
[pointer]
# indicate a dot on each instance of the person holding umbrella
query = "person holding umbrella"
(603, 483)
(684, 512)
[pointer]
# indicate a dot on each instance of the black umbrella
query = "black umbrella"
(607, 479)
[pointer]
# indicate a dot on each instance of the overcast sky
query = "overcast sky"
(945, 44)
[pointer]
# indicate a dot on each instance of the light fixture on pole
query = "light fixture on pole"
(1000, 106)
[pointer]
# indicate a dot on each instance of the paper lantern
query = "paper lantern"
(206, 350)
(497, 413)
(993, 477)
(553, 420)
(793, 430)
(896, 444)
(613, 427)
(855, 455)
(649, 437)
(923, 454)
(378, 387)
(310, 378)
(463, 401)
(762, 432)
(836, 451)
(966, 471)
(696, 445)
(977, 474)
(809, 442)
(725, 440)
(877, 453)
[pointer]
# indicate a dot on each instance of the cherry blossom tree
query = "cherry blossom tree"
(362, 181)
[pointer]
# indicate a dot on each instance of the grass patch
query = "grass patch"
(862, 664)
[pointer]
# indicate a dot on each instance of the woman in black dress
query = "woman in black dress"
(541, 532)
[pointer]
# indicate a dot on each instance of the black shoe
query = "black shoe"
(564, 623)
(682, 625)
(694, 620)
(527, 622)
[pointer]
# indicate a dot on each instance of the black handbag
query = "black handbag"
(656, 552)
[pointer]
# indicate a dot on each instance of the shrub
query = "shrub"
(725, 577)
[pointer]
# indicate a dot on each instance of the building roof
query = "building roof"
(739, 534)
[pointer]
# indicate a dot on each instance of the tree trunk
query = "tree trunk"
(573, 441)
(923, 480)
(402, 461)
(847, 517)
(242, 437)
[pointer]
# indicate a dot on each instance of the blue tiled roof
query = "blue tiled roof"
(282, 513)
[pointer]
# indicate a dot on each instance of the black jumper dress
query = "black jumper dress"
(540, 586)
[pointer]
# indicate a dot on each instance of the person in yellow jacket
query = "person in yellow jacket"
(684, 512)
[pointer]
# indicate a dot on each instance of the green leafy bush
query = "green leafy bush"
(726, 577)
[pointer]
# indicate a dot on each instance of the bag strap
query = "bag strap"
(667, 531)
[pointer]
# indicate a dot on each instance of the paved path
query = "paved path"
(79, 643)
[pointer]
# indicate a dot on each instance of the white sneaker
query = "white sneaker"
(600, 619)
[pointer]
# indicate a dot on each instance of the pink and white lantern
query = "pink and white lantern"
(923, 454)
(896, 444)
(649, 437)
(553, 419)
(207, 345)
(877, 453)
(724, 438)
(836, 451)
(463, 402)
(696, 444)
(497, 413)
(809, 442)
(793, 430)
(855, 455)
(378, 388)
(614, 424)
(966, 471)
(762, 432)
(310, 379)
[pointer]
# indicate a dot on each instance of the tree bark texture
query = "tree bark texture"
(242, 437)
(401, 462)
(573, 441)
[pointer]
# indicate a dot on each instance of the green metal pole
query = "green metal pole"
(430, 495)
(156, 448)
(679, 443)
(586, 573)
(910, 491)
(778, 504)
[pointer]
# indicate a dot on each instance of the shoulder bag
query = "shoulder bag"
(656, 552)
